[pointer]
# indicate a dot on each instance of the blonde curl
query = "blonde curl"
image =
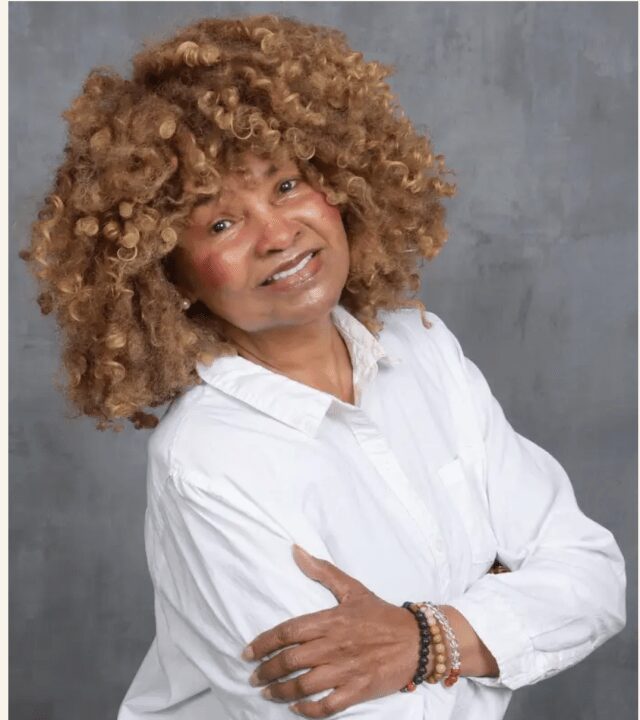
(142, 150)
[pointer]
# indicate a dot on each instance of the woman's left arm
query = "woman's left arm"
(566, 593)
(563, 597)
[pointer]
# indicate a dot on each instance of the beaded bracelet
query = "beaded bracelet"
(440, 665)
(425, 638)
(454, 649)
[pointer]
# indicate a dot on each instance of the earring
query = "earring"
(186, 304)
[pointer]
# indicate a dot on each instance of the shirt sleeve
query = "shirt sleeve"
(224, 572)
(566, 593)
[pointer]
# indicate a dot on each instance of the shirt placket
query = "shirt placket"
(382, 457)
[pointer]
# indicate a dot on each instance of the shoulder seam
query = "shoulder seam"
(171, 461)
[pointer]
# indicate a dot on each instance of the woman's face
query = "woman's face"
(234, 245)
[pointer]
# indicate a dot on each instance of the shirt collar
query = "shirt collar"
(290, 401)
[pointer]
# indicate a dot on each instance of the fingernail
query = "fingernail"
(247, 653)
(302, 550)
(266, 693)
(294, 709)
(253, 680)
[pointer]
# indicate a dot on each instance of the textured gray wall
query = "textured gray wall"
(534, 105)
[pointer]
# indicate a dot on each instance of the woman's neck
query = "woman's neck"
(314, 354)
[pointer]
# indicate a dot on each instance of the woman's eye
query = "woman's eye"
(288, 185)
(219, 226)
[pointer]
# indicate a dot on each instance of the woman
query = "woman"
(238, 230)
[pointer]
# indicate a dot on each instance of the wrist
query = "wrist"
(447, 646)
(476, 659)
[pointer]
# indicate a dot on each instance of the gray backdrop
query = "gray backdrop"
(534, 105)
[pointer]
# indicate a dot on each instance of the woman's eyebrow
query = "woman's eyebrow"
(252, 179)
(268, 173)
(205, 200)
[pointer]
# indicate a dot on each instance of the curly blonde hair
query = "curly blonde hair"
(142, 151)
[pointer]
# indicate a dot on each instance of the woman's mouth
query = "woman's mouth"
(296, 276)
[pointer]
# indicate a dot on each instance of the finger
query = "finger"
(323, 677)
(340, 699)
(296, 630)
(298, 657)
(341, 584)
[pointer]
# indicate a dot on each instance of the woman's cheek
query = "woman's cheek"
(332, 212)
(212, 271)
(332, 218)
(326, 211)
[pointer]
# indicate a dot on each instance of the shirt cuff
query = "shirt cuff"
(502, 631)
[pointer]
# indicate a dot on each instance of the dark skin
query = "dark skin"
(364, 647)
(235, 241)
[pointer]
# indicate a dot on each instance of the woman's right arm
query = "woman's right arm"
(223, 572)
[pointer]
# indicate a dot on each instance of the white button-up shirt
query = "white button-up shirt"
(413, 490)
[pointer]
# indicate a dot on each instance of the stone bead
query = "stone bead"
(441, 669)
(440, 648)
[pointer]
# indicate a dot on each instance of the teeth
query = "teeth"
(292, 271)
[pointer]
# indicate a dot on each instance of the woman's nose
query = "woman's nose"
(276, 233)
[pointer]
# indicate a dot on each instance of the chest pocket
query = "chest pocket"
(460, 478)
